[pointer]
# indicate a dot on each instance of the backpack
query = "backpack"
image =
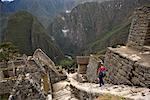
(102, 74)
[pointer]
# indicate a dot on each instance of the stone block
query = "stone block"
(135, 81)
(92, 67)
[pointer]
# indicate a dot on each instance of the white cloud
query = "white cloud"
(7, 0)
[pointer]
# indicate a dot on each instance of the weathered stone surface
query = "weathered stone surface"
(33, 78)
(6, 86)
(42, 59)
(126, 70)
(92, 67)
(27, 89)
(139, 31)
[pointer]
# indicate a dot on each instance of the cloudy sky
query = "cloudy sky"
(7, 0)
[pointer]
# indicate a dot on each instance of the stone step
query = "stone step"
(146, 48)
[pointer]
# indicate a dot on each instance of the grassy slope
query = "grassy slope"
(3, 24)
(117, 35)
(28, 34)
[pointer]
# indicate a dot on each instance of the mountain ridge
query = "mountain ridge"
(90, 20)
(28, 34)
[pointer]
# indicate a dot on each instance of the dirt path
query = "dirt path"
(62, 90)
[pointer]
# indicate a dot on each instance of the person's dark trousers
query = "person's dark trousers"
(101, 82)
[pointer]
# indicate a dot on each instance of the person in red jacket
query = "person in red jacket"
(101, 73)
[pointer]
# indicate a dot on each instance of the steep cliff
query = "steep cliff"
(44, 10)
(25, 31)
(91, 22)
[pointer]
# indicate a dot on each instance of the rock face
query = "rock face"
(44, 10)
(94, 20)
(25, 31)
(131, 64)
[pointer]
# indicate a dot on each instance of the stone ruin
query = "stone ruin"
(130, 64)
(87, 68)
(29, 78)
(139, 37)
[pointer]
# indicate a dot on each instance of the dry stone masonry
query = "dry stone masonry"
(140, 29)
(92, 67)
(30, 78)
(87, 68)
(131, 64)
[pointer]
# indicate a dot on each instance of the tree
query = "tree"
(8, 52)
(67, 63)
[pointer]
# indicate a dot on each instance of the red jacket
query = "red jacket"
(101, 69)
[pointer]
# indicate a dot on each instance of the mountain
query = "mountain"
(92, 26)
(44, 10)
(28, 34)
(3, 24)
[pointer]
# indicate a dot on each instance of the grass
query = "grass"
(27, 33)
(118, 35)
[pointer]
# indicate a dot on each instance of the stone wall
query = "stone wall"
(83, 95)
(55, 77)
(27, 89)
(139, 32)
(82, 62)
(91, 72)
(127, 68)
(42, 59)
(6, 86)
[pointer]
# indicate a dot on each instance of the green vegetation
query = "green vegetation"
(25, 31)
(4, 97)
(8, 51)
(68, 63)
(117, 36)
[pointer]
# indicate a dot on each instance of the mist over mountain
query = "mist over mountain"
(44, 10)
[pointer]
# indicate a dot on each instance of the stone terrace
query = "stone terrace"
(127, 66)
(131, 64)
